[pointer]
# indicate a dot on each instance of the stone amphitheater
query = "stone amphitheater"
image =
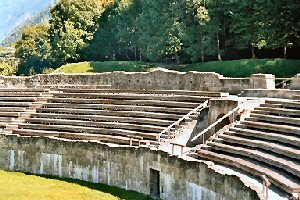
(168, 134)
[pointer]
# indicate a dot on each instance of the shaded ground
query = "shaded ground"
(19, 186)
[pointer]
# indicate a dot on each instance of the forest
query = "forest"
(164, 31)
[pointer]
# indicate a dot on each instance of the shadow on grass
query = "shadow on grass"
(115, 191)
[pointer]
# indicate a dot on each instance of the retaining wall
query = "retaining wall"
(171, 80)
(124, 167)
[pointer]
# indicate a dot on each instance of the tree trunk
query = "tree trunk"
(141, 57)
(218, 41)
(224, 34)
(127, 56)
(135, 57)
(284, 52)
(176, 56)
(202, 50)
(253, 52)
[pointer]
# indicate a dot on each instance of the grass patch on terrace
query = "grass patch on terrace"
(234, 68)
(244, 68)
(19, 186)
(109, 66)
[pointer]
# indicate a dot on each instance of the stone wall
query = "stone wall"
(172, 80)
(278, 93)
(124, 167)
(295, 84)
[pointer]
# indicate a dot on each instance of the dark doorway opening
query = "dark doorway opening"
(154, 183)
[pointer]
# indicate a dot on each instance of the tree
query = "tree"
(72, 25)
(6, 69)
(34, 50)
(284, 27)
(192, 30)
(248, 24)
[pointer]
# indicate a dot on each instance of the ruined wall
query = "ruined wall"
(220, 107)
(278, 93)
(206, 81)
(295, 84)
(125, 167)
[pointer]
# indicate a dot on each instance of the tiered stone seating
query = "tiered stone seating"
(296, 98)
(111, 115)
(15, 101)
(267, 143)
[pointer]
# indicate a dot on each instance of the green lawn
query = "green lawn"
(109, 66)
(234, 68)
(19, 186)
(244, 68)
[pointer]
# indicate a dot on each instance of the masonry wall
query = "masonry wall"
(124, 167)
(206, 81)
(295, 85)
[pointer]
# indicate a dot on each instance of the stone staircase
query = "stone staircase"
(17, 104)
(116, 116)
(296, 98)
(267, 143)
(39, 100)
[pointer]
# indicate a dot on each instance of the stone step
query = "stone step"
(5, 119)
(276, 177)
(294, 105)
(103, 118)
(258, 144)
(276, 119)
(153, 115)
(15, 104)
(294, 140)
(150, 128)
(18, 99)
(118, 107)
(272, 105)
(285, 104)
(12, 109)
(296, 97)
(22, 90)
(23, 94)
(125, 102)
(273, 127)
(269, 159)
(42, 99)
(170, 92)
(180, 98)
(79, 136)
(82, 129)
(3, 125)
(280, 111)
(9, 114)
(62, 86)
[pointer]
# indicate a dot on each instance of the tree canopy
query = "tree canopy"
(34, 50)
(185, 31)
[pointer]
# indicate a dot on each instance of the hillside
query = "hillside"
(18, 13)
(235, 68)
(41, 18)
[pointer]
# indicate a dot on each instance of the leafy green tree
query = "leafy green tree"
(284, 27)
(192, 30)
(34, 50)
(6, 69)
(72, 25)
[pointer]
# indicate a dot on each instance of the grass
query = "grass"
(234, 68)
(109, 66)
(19, 186)
(244, 68)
